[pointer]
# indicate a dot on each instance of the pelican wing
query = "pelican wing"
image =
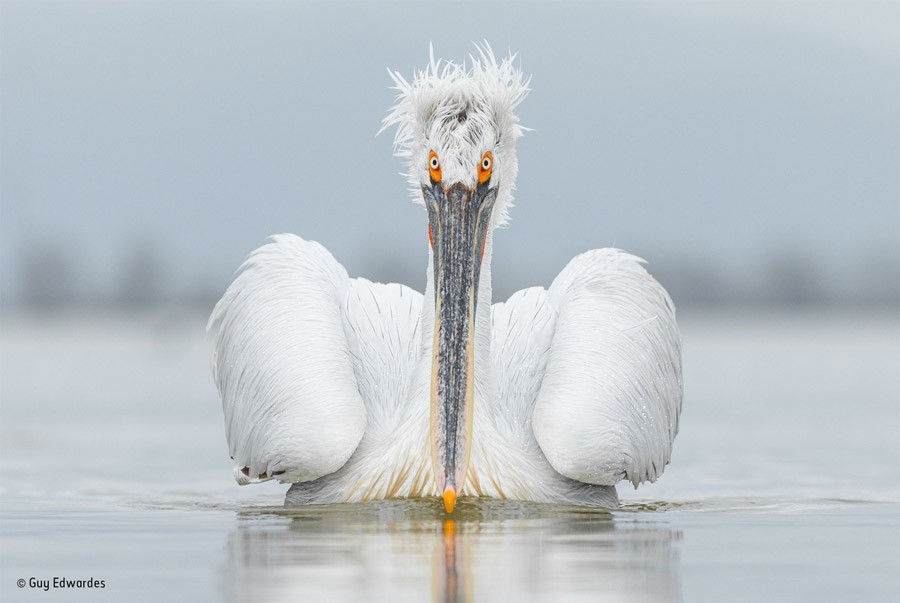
(381, 323)
(521, 334)
(609, 402)
(284, 367)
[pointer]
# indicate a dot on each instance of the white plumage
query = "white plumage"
(333, 383)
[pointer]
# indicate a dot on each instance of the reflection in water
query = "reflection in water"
(409, 550)
(447, 574)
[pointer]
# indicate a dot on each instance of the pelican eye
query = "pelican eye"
(485, 167)
(434, 167)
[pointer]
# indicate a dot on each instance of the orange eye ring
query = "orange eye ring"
(434, 167)
(485, 167)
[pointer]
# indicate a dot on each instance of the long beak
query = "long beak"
(458, 217)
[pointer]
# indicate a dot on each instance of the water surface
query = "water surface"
(784, 485)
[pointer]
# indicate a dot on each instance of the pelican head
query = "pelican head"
(456, 127)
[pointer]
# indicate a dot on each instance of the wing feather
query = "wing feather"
(521, 334)
(283, 367)
(611, 395)
(381, 323)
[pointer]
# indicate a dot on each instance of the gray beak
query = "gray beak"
(459, 217)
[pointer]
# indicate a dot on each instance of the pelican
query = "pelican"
(352, 390)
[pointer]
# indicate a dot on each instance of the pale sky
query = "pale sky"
(708, 134)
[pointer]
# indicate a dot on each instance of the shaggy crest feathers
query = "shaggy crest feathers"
(460, 111)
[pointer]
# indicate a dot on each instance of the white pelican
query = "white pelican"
(353, 390)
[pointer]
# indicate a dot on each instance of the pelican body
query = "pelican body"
(352, 390)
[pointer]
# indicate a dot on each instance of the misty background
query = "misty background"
(750, 152)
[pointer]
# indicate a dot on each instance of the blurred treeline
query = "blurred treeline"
(49, 278)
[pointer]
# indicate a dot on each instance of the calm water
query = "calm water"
(785, 484)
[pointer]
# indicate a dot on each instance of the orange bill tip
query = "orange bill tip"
(449, 499)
